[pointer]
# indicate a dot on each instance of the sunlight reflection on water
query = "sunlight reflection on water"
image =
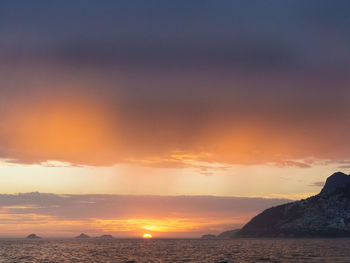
(168, 250)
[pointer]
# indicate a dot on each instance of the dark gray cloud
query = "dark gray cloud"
(317, 184)
(225, 33)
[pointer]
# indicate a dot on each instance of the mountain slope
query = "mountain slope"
(324, 215)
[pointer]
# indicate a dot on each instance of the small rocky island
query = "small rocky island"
(33, 236)
(106, 237)
(82, 236)
(224, 235)
(326, 214)
(208, 236)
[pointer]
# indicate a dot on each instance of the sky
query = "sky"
(167, 102)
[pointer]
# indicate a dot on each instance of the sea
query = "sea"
(174, 250)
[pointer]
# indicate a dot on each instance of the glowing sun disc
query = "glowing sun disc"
(147, 236)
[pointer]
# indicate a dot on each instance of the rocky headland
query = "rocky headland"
(326, 214)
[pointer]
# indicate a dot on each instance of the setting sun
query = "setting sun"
(147, 236)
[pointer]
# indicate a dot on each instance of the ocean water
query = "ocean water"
(175, 250)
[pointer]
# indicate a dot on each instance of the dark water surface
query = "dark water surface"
(117, 250)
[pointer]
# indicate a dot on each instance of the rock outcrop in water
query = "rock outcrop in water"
(326, 214)
(33, 236)
(82, 235)
(208, 236)
(106, 237)
(224, 235)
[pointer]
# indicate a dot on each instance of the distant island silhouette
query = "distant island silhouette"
(224, 235)
(106, 237)
(33, 236)
(82, 235)
(208, 236)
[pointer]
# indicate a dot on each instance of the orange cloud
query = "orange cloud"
(105, 117)
(75, 130)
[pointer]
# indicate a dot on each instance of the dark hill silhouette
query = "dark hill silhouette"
(82, 235)
(334, 182)
(326, 214)
(33, 236)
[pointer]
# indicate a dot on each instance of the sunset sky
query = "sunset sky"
(175, 118)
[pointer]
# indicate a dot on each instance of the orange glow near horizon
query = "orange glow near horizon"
(43, 225)
(166, 225)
